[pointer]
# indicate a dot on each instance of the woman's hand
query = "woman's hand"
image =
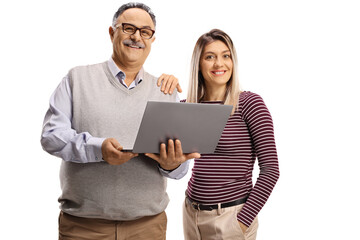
(168, 83)
(243, 227)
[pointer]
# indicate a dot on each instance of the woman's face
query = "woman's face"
(216, 64)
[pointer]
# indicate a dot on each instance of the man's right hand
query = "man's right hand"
(112, 154)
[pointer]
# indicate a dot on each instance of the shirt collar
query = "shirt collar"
(115, 70)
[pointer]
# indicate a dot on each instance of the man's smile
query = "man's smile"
(132, 44)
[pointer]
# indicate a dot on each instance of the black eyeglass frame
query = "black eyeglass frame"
(136, 28)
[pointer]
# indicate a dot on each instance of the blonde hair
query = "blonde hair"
(196, 89)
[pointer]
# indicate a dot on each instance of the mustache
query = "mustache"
(129, 42)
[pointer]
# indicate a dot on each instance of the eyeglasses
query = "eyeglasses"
(128, 28)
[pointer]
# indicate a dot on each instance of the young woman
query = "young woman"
(221, 200)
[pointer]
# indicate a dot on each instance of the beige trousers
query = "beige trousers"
(219, 224)
(77, 228)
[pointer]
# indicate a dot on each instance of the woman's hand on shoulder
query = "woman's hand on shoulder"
(168, 83)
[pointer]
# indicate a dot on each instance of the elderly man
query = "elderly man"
(95, 112)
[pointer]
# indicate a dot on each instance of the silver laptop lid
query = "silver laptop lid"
(197, 126)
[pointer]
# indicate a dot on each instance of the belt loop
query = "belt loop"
(219, 209)
(195, 205)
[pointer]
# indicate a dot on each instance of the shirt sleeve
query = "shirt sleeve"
(260, 124)
(177, 173)
(59, 139)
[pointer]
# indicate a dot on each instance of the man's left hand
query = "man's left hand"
(173, 157)
(168, 83)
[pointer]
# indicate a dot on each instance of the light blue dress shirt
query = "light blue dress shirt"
(59, 139)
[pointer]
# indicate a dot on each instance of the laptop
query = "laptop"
(197, 126)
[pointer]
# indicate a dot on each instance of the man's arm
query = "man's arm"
(59, 139)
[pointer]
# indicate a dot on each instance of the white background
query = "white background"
(302, 57)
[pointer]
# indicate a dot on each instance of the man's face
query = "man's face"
(131, 50)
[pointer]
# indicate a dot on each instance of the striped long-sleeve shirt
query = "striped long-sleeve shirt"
(226, 175)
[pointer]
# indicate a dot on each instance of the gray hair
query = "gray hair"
(129, 5)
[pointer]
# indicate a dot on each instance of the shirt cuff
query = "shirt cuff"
(93, 149)
(177, 173)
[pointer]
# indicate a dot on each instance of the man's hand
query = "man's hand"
(168, 83)
(243, 227)
(112, 154)
(173, 157)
